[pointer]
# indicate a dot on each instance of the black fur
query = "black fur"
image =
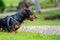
(18, 19)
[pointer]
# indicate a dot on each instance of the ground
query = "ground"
(42, 29)
(27, 36)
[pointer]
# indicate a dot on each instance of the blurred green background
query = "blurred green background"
(8, 4)
(12, 4)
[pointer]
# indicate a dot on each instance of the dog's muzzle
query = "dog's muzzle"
(32, 17)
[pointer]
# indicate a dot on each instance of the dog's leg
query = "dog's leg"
(16, 27)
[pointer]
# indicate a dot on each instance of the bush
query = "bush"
(59, 1)
(2, 6)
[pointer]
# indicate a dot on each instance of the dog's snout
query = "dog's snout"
(32, 17)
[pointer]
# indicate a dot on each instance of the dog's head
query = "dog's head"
(28, 14)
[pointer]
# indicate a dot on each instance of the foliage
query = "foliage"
(2, 6)
(51, 1)
(59, 1)
(11, 2)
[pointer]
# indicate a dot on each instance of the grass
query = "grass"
(27, 36)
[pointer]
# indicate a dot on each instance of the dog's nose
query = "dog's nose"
(32, 16)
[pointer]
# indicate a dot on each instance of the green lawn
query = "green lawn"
(40, 19)
(27, 36)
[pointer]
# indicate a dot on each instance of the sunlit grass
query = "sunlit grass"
(27, 36)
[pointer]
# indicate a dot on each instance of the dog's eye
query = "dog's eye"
(24, 11)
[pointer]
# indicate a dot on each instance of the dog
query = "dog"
(12, 23)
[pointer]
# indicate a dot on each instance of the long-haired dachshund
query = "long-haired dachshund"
(13, 22)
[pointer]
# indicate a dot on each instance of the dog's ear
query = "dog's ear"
(23, 13)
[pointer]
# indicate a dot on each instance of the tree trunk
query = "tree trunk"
(55, 3)
(37, 6)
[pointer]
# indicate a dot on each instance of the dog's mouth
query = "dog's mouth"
(32, 17)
